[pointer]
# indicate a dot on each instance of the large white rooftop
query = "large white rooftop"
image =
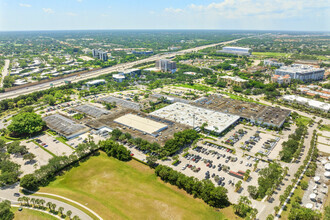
(195, 116)
(298, 68)
(142, 124)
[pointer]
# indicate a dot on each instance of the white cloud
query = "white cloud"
(71, 14)
(48, 10)
(173, 10)
(25, 5)
(260, 8)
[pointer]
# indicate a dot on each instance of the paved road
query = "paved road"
(5, 71)
(268, 207)
(119, 67)
(7, 193)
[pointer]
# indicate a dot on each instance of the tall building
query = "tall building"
(100, 55)
(236, 50)
(301, 72)
(166, 65)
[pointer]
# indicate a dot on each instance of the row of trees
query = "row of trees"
(41, 204)
(46, 173)
(9, 171)
(290, 148)
(113, 149)
(172, 146)
(26, 124)
(297, 210)
(205, 189)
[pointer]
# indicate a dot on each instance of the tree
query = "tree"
(253, 191)
(69, 213)
(304, 185)
(327, 212)
(8, 81)
(270, 217)
(5, 211)
(302, 213)
(60, 210)
(53, 207)
(29, 157)
(26, 124)
(30, 182)
(243, 206)
(49, 99)
(238, 185)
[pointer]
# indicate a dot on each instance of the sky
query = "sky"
(296, 15)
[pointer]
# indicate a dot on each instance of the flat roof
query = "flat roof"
(91, 110)
(142, 124)
(64, 126)
(195, 116)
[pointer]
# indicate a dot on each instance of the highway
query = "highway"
(95, 73)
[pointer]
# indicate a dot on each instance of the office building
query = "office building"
(273, 62)
(118, 77)
(236, 50)
(234, 80)
(100, 55)
(131, 72)
(281, 79)
(301, 72)
(166, 65)
(95, 82)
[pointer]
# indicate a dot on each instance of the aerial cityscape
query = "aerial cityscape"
(164, 110)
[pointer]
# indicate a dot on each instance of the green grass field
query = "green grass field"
(197, 87)
(119, 190)
(28, 214)
(303, 120)
(270, 54)
(325, 128)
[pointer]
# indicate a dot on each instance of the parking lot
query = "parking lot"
(41, 158)
(54, 146)
(210, 161)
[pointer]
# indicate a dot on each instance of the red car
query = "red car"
(228, 150)
(132, 155)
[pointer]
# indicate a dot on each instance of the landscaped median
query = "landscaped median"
(36, 143)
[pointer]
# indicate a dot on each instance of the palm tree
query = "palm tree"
(75, 217)
(53, 207)
(69, 213)
(20, 199)
(49, 204)
(33, 201)
(42, 202)
(61, 209)
(27, 199)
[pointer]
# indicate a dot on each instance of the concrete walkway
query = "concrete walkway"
(7, 193)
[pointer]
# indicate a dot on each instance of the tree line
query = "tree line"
(205, 189)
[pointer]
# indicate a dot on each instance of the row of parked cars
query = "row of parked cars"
(219, 147)
(249, 144)
(235, 137)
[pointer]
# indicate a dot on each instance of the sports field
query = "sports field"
(119, 190)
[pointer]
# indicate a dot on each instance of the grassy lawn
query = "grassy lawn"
(303, 119)
(197, 87)
(236, 97)
(325, 128)
(119, 190)
(28, 214)
(270, 54)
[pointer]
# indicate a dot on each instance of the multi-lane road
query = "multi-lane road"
(91, 74)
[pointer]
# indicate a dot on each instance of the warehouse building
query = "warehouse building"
(253, 112)
(121, 102)
(196, 117)
(91, 110)
(65, 126)
(142, 124)
(236, 50)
